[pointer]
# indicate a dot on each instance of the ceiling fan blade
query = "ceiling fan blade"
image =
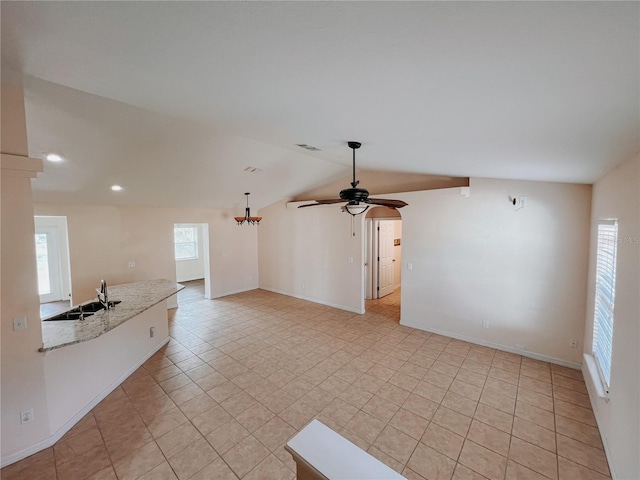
(324, 202)
(387, 202)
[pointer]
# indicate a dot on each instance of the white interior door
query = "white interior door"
(385, 258)
(48, 262)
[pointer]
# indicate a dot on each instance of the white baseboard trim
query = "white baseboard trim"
(48, 442)
(242, 290)
(314, 300)
(497, 346)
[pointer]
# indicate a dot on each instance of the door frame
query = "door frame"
(369, 243)
(203, 229)
(378, 254)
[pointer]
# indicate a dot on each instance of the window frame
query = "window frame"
(194, 228)
(605, 279)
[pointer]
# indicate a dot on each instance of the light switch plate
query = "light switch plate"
(20, 323)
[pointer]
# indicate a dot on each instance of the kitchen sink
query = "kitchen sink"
(87, 309)
(92, 307)
(70, 315)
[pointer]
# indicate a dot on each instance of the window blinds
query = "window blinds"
(605, 295)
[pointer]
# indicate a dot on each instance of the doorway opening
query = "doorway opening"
(191, 253)
(383, 261)
(52, 260)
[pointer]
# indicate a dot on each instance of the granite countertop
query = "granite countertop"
(135, 298)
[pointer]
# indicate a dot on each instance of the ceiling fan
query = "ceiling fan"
(357, 199)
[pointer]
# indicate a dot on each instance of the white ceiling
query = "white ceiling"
(175, 99)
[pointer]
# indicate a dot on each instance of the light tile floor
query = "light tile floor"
(193, 291)
(242, 374)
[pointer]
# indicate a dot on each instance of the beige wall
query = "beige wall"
(617, 195)
(103, 239)
(473, 259)
(22, 385)
(479, 259)
(13, 134)
(305, 253)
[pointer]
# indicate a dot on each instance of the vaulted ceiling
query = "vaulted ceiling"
(174, 99)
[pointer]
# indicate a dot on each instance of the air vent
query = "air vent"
(252, 169)
(308, 147)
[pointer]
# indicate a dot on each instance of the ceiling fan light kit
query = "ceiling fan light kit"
(357, 199)
(355, 208)
(248, 219)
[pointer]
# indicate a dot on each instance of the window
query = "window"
(186, 242)
(605, 295)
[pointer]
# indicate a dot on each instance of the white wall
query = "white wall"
(305, 253)
(617, 195)
(192, 269)
(145, 235)
(473, 259)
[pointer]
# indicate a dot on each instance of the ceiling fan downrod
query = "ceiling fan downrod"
(354, 146)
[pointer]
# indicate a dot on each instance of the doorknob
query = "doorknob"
(393, 260)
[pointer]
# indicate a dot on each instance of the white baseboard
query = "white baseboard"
(26, 452)
(242, 290)
(497, 346)
(314, 300)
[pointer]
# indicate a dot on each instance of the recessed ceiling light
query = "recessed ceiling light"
(53, 157)
(308, 147)
(116, 188)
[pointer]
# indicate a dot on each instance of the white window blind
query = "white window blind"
(605, 295)
(186, 242)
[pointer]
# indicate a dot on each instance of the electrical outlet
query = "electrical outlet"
(20, 323)
(132, 263)
(409, 266)
(485, 324)
(350, 260)
(573, 343)
(26, 416)
(152, 332)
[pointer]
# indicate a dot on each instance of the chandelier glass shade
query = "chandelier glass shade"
(248, 219)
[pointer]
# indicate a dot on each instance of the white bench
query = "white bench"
(322, 454)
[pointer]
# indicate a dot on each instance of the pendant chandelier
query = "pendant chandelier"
(247, 216)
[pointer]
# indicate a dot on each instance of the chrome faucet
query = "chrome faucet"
(103, 296)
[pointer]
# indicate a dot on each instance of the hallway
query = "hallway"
(387, 307)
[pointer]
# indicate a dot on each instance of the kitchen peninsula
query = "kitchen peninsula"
(134, 299)
(85, 360)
